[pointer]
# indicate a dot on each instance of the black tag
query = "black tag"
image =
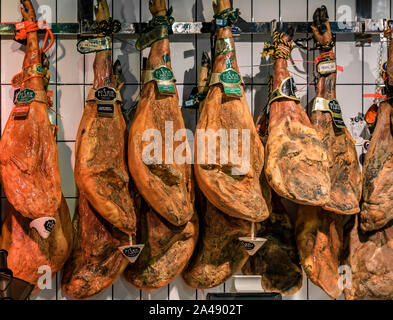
(131, 252)
(105, 110)
(49, 225)
(248, 245)
(335, 106)
(339, 122)
(106, 94)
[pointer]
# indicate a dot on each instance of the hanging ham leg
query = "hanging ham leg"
(233, 190)
(165, 185)
(167, 251)
(319, 239)
(100, 166)
(377, 207)
(296, 163)
(167, 248)
(28, 152)
(27, 251)
(219, 253)
(95, 262)
(370, 256)
(277, 261)
(344, 168)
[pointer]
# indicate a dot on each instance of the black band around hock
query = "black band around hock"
(158, 29)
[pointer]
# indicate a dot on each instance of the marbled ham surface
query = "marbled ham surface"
(319, 239)
(166, 253)
(296, 163)
(219, 253)
(377, 207)
(27, 251)
(344, 168)
(95, 262)
(101, 171)
(370, 256)
(277, 261)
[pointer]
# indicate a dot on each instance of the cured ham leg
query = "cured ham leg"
(28, 152)
(100, 167)
(95, 262)
(344, 168)
(231, 186)
(319, 239)
(28, 251)
(370, 256)
(219, 253)
(296, 163)
(164, 183)
(277, 261)
(377, 207)
(166, 253)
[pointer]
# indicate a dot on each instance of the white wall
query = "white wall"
(72, 77)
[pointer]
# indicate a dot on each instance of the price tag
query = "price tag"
(105, 98)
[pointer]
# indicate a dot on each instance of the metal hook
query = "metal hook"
(96, 5)
(273, 26)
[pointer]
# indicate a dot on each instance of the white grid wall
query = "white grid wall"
(72, 77)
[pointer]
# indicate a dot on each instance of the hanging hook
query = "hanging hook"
(273, 27)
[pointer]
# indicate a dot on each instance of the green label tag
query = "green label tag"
(167, 89)
(165, 80)
(26, 96)
(230, 77)
(231, 80)
(163, 74)
(233, 92)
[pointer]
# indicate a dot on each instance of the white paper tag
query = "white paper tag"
(44, 226)
(326, 67)
(252, 245)
(132, 252)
